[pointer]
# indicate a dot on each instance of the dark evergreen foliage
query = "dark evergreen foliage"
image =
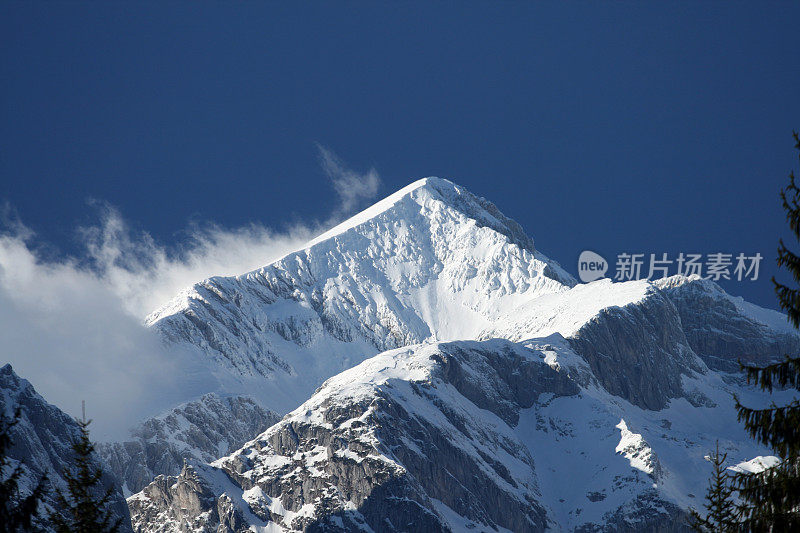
(17, 513)
(770, 500)
(81, 511)
(720, 504)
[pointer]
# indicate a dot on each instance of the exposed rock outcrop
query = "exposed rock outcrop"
(723, 330)
(638, 352)
(201, 430)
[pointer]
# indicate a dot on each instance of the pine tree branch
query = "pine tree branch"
(783, 374)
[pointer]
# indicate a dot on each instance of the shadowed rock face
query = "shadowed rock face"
(354, 470)
(640, 515)
(500, 382)
(720, 334)
(42, 441)
(638, 352)
(201, 430)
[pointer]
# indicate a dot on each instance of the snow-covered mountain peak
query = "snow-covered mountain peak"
(434, 215)
(429, 185)
(433, 262)
(430, 190)
(430, 262)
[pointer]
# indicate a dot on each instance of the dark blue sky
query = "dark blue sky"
(616, 127)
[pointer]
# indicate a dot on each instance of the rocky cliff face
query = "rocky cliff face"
(190, 502)
(723, 330)
(626, 347)
(201, 430)
(42, 442)
(399, 443)
(628, 334)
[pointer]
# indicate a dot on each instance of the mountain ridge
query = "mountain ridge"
(464, 435)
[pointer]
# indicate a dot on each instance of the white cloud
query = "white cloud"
(66, 331)
(74, 326)
(144, 275)
(351, 186)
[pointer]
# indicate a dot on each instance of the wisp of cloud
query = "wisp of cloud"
(351, 186)
(74, 327)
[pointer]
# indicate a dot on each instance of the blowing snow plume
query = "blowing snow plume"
(74, 326)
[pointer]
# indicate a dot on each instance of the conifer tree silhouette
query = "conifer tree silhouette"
(770, 500)
(720, 503)
(81, 510)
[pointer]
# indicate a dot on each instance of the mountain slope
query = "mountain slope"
(460, 436)
(398, 443)
(627, 333)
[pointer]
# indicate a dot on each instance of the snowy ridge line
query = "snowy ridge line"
(768, 317)
(372, 211)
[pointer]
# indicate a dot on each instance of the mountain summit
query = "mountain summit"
(430, 262)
